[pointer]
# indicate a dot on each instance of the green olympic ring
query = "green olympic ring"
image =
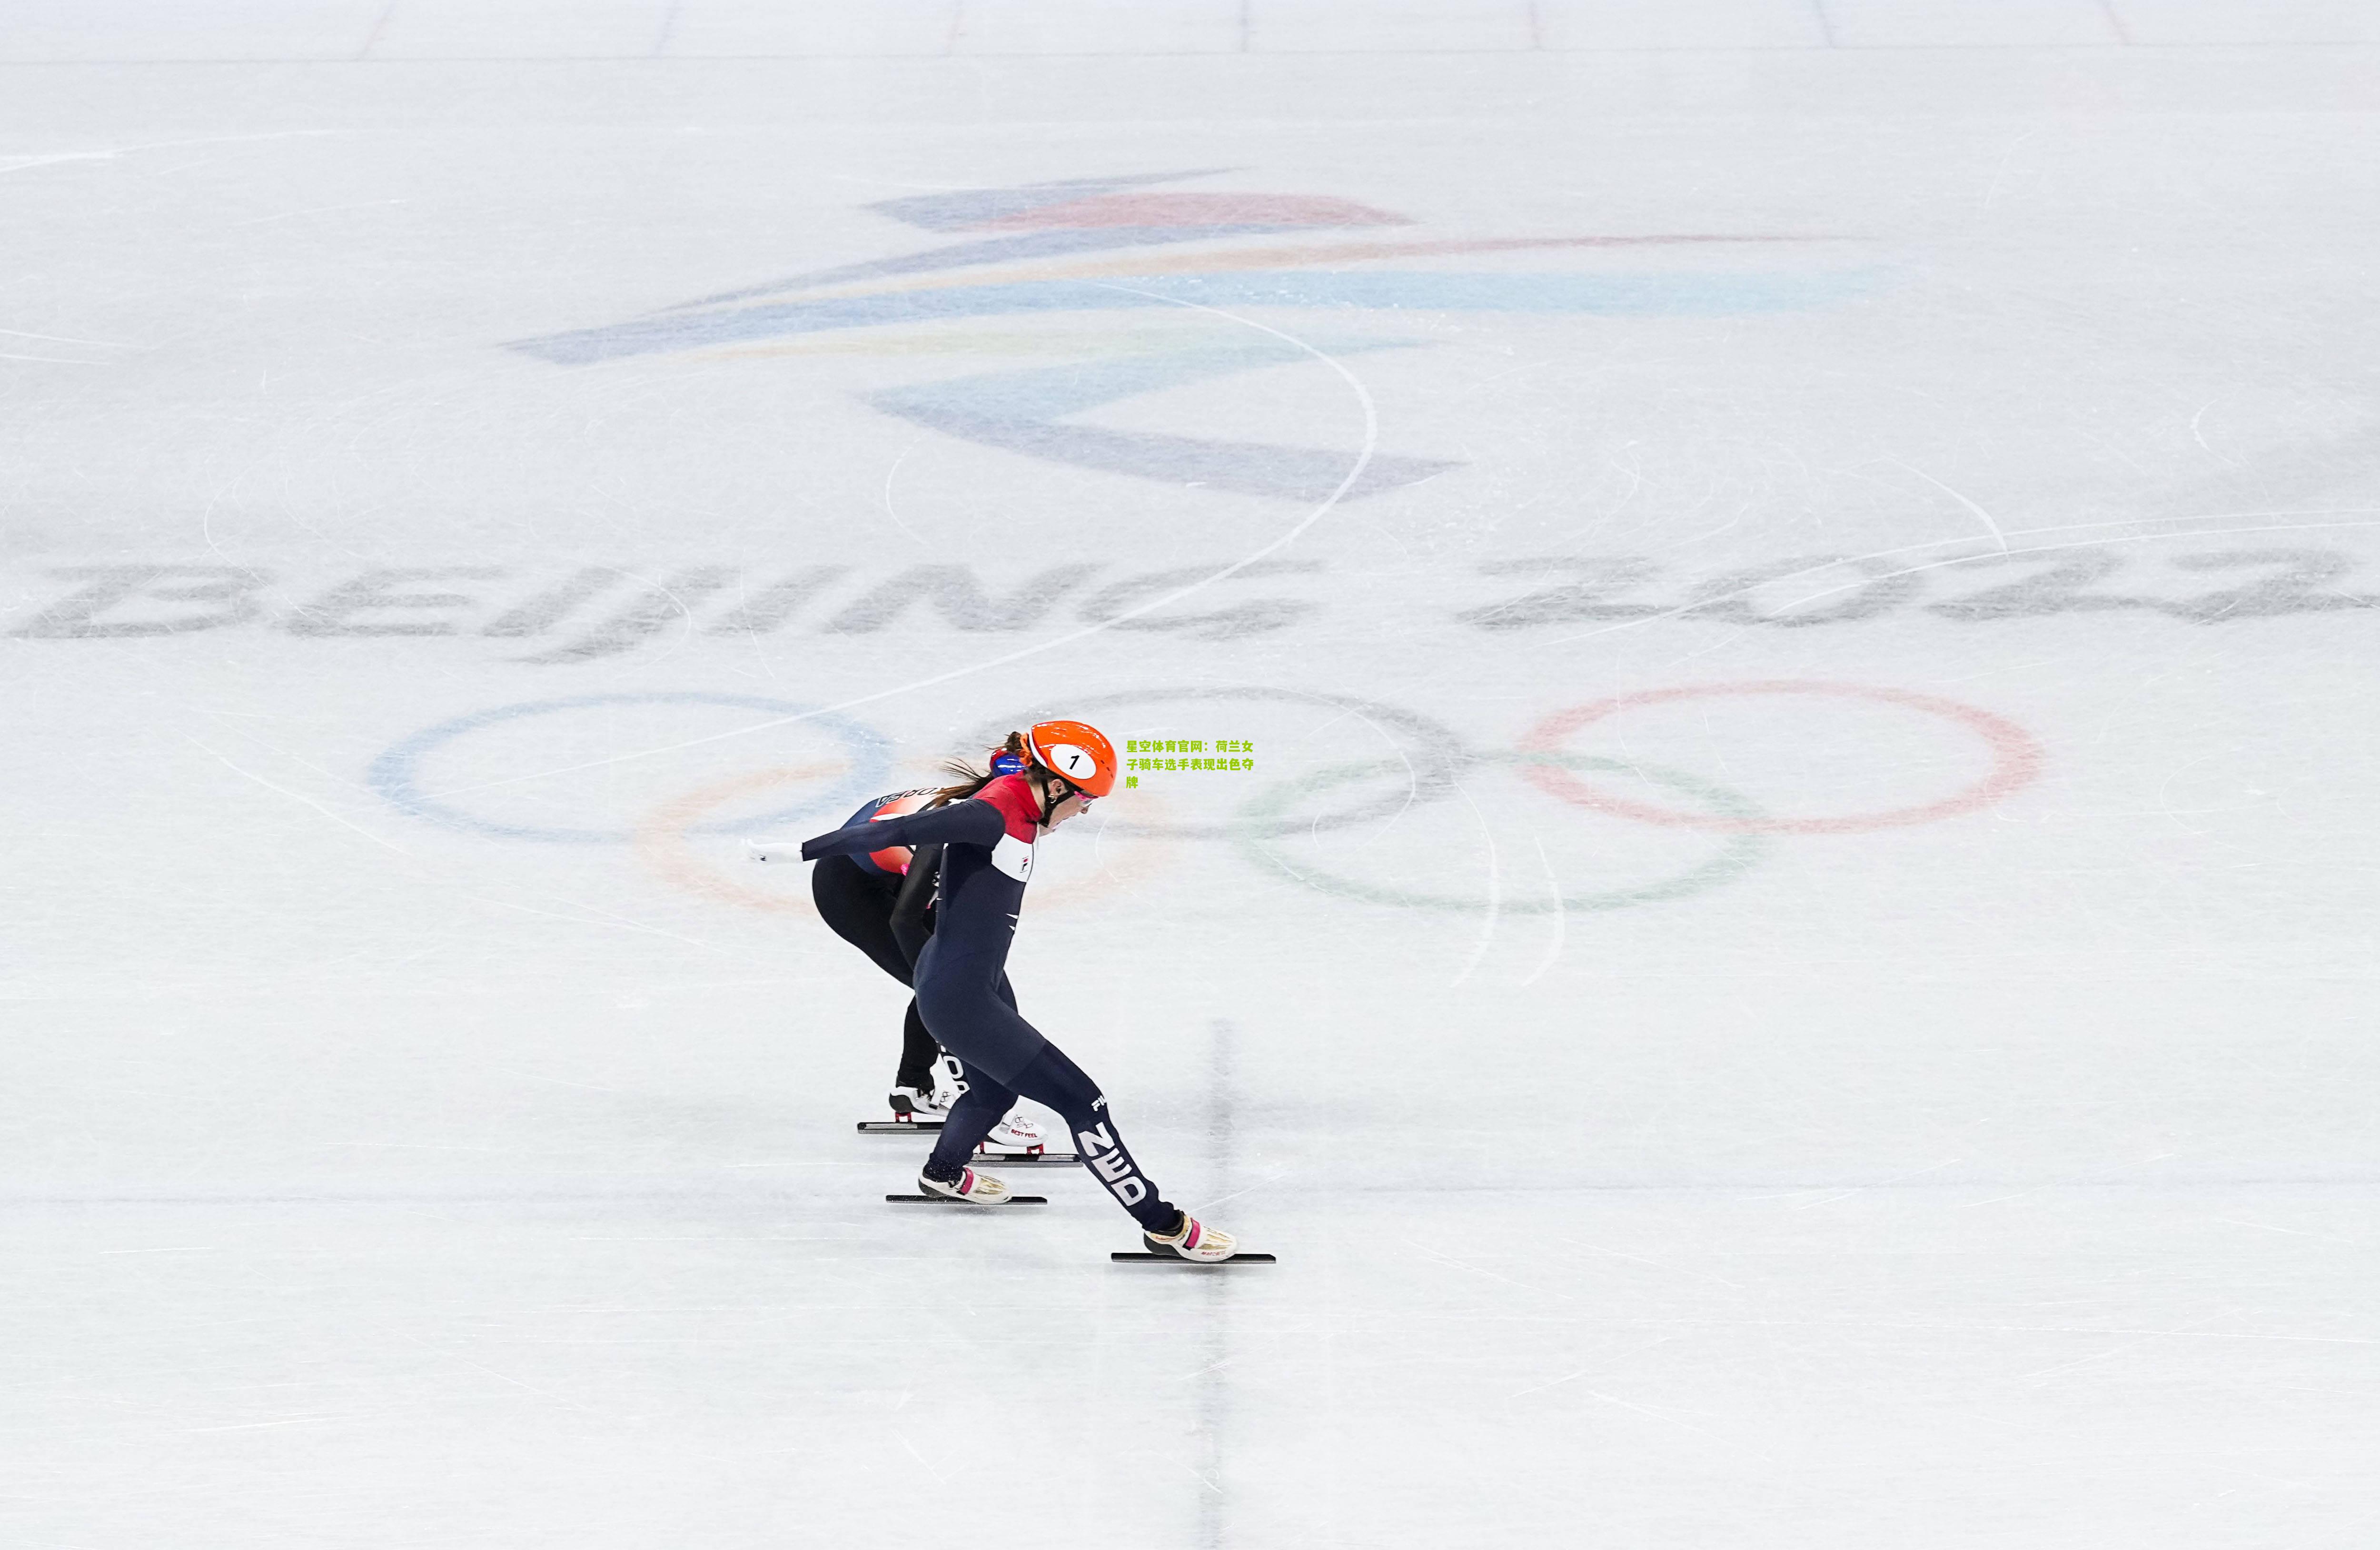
(1733, 860)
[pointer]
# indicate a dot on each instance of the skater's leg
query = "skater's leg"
(966, 1010)
(858, 905)
(971, 1013)
(971, 1119)
(1058, 1082)
(1008, 998)
(918, 1053)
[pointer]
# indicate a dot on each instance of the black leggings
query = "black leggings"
(858, 904)
(1053, 1080)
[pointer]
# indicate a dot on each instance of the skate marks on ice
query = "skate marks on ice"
(1728, 862)
(2103, 576)
(1214, 1397)
(1177, 1324)
(1654, 832)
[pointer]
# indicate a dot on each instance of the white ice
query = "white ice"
(1794, 970)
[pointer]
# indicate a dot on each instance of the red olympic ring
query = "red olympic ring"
(2016, 760)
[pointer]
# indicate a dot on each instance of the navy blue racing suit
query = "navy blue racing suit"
(963, 992)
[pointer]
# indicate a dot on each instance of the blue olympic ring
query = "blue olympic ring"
(392, 773)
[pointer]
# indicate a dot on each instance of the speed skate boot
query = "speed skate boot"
(1012, 1137)
(972, 1188)
(1191, 1240)
(911, 1105)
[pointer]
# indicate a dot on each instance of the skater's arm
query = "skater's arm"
(967, 823)
(911, 904)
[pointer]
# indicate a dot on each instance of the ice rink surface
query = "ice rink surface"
(1789, 964)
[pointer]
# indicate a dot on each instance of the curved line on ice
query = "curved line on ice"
(1354, 472)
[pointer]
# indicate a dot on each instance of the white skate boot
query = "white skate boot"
(1012, 1137)
(910, 1106)
(1193, 1240)
(972, 1188)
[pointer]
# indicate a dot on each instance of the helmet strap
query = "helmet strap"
(1050, 799)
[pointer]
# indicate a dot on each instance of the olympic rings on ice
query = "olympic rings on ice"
(1738, 855)
(396, 773)
(1423, 764)
(2016, 760)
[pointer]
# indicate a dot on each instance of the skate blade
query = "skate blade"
(1029, 1159)
(898, 1127)
(1122, 1258)
(979, 1206)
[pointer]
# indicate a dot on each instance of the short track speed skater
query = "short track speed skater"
(990, 824)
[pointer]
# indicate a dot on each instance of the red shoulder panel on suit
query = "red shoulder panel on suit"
(1014, 797)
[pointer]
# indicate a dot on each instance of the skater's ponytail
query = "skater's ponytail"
(972, 780)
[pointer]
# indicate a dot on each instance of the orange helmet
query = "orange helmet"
(1076, 753)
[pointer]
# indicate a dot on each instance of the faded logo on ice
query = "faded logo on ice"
(1179, 259)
